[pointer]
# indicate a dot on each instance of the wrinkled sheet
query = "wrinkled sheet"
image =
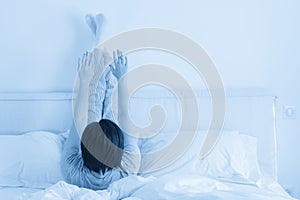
(15, 193)
(120, 189)
(172, 186)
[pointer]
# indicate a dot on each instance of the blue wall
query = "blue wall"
(253, 43)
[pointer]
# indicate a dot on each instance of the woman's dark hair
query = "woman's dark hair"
(102, 146)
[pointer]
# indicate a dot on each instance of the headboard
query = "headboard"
(24, 112)
(250, 111)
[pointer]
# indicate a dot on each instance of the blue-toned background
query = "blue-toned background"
(253, 43)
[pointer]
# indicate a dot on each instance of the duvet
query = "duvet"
(172, 186)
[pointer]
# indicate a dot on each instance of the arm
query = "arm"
(84, 99)
(71, 157)
(86, 72)
(88, 107)
(72, 143)
(131, 157)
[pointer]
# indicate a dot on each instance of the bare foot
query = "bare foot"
(96, 24)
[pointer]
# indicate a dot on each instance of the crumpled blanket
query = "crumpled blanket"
(121, 189)
(179, 186)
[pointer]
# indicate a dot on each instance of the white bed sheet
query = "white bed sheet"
(16, 193)
(189, 187)
(172, 186)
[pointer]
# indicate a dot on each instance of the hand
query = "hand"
(119, 67)
(91, 65)
(85, 67)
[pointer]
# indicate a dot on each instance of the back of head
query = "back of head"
(102, 146)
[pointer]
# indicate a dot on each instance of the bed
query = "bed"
(243, 164)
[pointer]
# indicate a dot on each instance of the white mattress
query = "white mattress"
(16, 193)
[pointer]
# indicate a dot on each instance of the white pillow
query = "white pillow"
(31, 159)
(234, 158)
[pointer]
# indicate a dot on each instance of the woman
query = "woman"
(89, 162)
